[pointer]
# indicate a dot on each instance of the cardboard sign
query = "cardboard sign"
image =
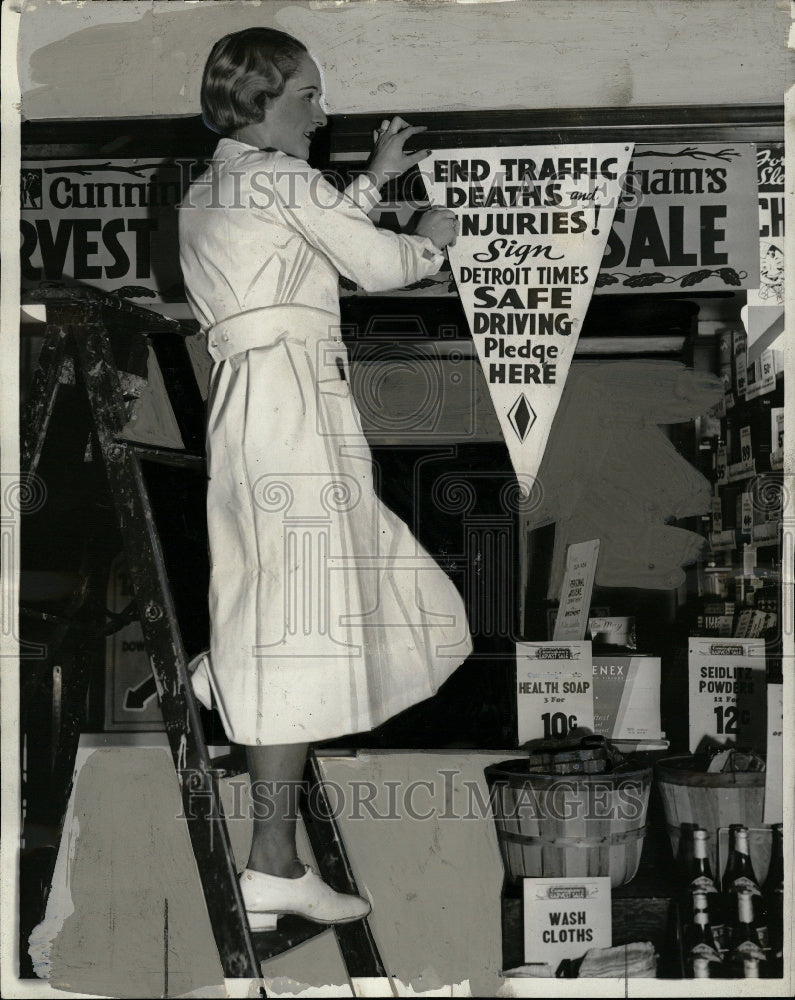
(111, 225)
(688, 219)
(626, 693)
(534, 224)
(617, 630)
(774, 770)
(728, 700)
(554, 689)
(721, 465)
(576, 589)
(717, 513)
(777, 428)
(565, 917)
(770, 172)
(131, 698)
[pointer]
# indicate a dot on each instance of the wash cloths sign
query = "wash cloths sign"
(565, 917)
(534, 223)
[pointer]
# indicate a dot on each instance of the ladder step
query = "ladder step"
(290, 932)
(231, 764)
(167, 456)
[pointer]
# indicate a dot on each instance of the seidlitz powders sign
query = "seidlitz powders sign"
(534, 225)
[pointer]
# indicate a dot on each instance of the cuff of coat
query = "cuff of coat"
(430, 252)
(363, 192)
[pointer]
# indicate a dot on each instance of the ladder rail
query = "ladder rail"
(42, 396)
(356, 942)
(146, 565)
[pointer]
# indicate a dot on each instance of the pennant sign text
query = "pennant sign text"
(534, 225)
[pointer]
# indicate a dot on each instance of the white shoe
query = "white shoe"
(266, 897)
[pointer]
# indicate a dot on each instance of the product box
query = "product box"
(627, 697)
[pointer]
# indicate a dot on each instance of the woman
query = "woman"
(327, 616)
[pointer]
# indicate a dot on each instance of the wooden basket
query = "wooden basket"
(551, 825)
(693, 797)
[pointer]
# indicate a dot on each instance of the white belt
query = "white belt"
(264, 327)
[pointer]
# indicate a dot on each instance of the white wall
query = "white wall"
(95, 59)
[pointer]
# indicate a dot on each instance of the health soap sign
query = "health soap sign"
(534, 226)
(554, 689)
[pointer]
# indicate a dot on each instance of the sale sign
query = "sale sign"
(554, 691)
(534, 223)
(728, 691)
(108, 224)
(688, 218)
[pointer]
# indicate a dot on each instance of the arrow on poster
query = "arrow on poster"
(534, 226)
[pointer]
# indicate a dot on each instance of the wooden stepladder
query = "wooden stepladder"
(92, 342)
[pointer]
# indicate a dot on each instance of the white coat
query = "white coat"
(327, 616)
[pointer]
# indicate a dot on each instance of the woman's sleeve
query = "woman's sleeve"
(336, 223)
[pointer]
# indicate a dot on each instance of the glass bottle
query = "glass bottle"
(739, 874)
(773, 896)
(751, 968)
(700, 877)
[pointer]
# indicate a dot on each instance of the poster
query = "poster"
(108, 224)
(85, 85)
(684, 221)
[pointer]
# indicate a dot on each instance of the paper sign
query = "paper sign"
(110, 224)
(727, 691)
(770, 168)
(618, 631)
(777, 427)
(717, 513)
(576, 589)
(534, 224)
(131, 699)
(688, 221)
(746, 513)
(565, 917)
(768, 372)
(721, 465)
(746, 450)
(554, 689)
(627, 697)
(774, 771)
(740, 342)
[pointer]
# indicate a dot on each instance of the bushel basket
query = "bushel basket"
(555, 825)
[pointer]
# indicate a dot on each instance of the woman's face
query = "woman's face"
(292, 118)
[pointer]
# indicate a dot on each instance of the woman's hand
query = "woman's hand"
(440, 226)
(388, 158)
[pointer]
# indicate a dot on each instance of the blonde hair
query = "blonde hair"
(243, 72)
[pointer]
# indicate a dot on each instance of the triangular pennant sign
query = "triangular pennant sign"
(534, 225)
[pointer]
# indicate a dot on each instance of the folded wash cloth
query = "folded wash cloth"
(626, 961)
